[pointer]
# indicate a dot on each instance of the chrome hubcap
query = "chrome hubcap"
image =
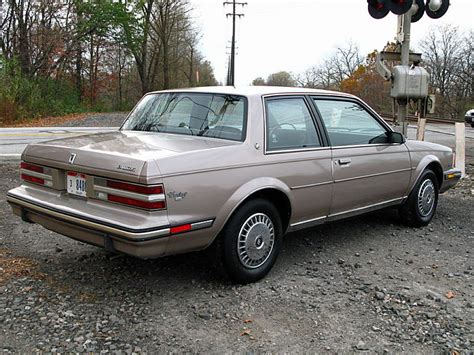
(255, 241)
(426, 197)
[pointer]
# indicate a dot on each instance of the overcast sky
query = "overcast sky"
(293, 35)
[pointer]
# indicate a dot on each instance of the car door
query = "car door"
(368, 172)
(298, 155)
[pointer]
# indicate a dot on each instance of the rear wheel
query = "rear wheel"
(421, 204)
(251, 241)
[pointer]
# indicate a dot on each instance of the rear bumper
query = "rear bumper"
(142, 243)
(450, 179)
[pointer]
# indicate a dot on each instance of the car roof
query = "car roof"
(257, 90)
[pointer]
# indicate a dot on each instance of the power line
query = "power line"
(234, 15)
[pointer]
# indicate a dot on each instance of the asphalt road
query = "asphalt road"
(444, 134)
(14, 140)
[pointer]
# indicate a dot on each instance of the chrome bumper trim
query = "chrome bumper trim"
(202, 225)
(450, 179)
(110, 229)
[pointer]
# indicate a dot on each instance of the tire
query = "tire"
(251, 241)
(420, 207)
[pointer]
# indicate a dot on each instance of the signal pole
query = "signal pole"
(234, 14)
(405, 60)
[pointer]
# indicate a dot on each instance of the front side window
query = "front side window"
(348, 123)
(209, 115)
(289, 125)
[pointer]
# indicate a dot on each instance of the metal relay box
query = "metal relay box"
(409, 82)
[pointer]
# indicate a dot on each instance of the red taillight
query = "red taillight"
(135, 195)
(27, 166)
(137, 203)
(180, 229)
(146, 190)
(36, 174)
(32, 179)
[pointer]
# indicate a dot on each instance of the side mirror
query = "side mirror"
(396, 138)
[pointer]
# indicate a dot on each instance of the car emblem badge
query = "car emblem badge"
(177, 196)
(72, 157)
(126, 168)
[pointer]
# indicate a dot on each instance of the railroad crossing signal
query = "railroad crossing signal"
(378, 9)
(408, 82)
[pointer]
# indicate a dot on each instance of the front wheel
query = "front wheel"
(420, 207)
(251, 241)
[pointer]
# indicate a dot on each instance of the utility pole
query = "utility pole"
(229, 78)
(234, 15)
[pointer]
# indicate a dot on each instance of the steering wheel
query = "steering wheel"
(273, 136)
(282, 124)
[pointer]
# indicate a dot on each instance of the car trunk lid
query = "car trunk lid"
(123, 155)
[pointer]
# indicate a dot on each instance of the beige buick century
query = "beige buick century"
(241, 167)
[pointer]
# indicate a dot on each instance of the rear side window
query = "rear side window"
(192, 114)
(290, 125)
(348, 123)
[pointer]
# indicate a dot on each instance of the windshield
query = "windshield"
(208, 115)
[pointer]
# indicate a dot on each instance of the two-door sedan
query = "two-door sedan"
(236, 166)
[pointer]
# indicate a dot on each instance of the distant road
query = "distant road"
(445, 134)
(14, 140)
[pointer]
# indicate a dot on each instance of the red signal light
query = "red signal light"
(378, 8)
(400, 7)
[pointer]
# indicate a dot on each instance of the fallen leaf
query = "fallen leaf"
(450, 294)
(245, 332)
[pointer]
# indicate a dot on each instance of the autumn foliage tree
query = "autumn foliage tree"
(66, 56)
(367, 84)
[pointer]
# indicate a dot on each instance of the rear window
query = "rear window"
(208, 115)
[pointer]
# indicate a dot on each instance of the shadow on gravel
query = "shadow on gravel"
(99, 269)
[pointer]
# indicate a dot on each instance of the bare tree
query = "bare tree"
(334, 70)
(448, 55)
(318, 77)
(344, 62)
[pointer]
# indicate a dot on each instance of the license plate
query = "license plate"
(76, 184)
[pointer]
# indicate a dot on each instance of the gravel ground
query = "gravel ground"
(367, 284)
(106, 119)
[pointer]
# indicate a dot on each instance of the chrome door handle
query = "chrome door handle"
(344, 161)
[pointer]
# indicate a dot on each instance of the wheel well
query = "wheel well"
(438, 170)
(279, 200)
